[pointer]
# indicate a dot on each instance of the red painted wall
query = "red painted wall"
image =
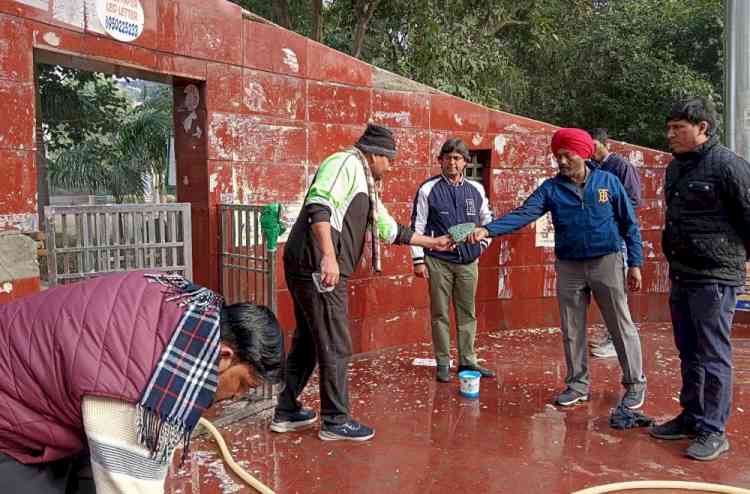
(272, 105)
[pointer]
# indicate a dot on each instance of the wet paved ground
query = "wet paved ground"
(512, 440)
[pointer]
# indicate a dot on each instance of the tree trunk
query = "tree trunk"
(317, 21)
(42, 181)
(364, 9)
(281, 13)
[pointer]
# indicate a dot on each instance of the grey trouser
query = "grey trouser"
(604, 277)
(458, 281)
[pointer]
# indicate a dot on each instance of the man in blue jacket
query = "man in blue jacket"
(441, 202)
(592, 215)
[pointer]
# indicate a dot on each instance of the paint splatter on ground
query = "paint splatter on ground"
(511, 440)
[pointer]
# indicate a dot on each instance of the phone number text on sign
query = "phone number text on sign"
(122, 19)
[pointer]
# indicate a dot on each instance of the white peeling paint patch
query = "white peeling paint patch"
(213, 182)
(458, 119)
(550, 281)
(192, 97)
(500, 142)
(7, 287)
(256, 99)
(37, 4)
(503, 284)
(517, 128)
(289, 214)
(92, 19)
(51, 39)
(476, 139)
(290, 59)
(69, 12)
(401, 117)
(187, 124)
(505, 252)
(23, 222)
(648, 248)
(636, 157)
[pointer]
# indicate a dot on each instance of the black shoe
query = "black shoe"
(708, 446)
(349, 431)
(485, 372)
(674, 429)
(443, 374)
(288, 422)
(570, 397)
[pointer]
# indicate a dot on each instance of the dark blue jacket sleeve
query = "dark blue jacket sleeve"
(628, 175)
(627, 223)
(531, 210)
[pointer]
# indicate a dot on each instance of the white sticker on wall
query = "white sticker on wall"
(122, 19)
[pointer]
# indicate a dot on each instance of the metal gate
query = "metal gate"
(248, 269)
(248, 274)
(87, 241)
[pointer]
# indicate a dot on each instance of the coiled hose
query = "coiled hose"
(238, 470)
(663, 484)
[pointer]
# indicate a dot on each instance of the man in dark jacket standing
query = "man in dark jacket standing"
(707, 227)
(442, 202)
(623, 169)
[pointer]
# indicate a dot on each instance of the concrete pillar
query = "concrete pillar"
(737, 108)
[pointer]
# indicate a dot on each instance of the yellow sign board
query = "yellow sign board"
(743, 299)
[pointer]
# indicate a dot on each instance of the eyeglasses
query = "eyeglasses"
(453, 157)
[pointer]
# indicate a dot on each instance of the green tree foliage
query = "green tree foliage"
(77, 105)
(621, 68)
(100, 141)
(561, 61)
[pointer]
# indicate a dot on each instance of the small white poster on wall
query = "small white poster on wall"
(122, 19)
(545, 230)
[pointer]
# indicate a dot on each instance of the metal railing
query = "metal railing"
(248, 269)
(87, 241)
(248, 274)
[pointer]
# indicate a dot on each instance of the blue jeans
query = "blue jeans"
(702, 322)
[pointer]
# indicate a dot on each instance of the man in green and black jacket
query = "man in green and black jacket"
(323, 250)
(705, 236)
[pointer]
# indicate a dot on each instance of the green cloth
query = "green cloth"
(271, 225)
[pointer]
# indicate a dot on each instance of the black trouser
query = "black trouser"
(66, 476)
(322, 337)
(702, 322)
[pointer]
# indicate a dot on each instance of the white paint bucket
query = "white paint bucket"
(469, 380)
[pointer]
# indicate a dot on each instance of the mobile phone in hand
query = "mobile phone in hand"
(319, 285)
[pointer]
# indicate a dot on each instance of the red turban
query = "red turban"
(577, 141)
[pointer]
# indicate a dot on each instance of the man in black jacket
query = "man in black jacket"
(707, 226)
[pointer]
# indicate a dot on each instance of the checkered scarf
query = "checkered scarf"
(184, 382)
(373, 192)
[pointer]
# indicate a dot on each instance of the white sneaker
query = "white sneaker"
(605, 350)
